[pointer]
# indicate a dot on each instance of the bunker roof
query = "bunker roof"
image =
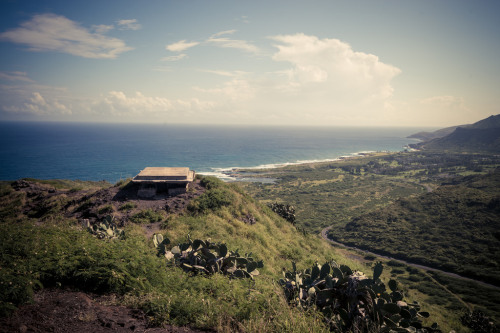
(164, 174)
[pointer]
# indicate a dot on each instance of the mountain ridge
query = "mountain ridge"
(481, 136)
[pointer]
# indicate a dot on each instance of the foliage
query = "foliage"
(457, 223)
(147, 216)
(330, 194)
(210, 182)
(285, 211)
(212, 200)
(352, 302)
(34, 256)
(127, 206)
(106, 209)
(198, 256)
(478, 322)
(106, 229)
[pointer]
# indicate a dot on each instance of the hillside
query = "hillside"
(336, 193)
(426, 136)
(47, 254)
(458, 223)
(482, 136)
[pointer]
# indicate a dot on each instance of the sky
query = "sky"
(310, 63)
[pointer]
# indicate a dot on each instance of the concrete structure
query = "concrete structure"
(173, 181)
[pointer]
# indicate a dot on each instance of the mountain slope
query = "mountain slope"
(44, 246)
(482, 136)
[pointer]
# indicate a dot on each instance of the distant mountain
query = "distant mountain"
(490, 122)
(483, 135)
(426, 136)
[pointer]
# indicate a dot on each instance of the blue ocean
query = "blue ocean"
(117, 151)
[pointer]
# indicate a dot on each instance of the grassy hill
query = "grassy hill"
(43, 245)
(421, 189)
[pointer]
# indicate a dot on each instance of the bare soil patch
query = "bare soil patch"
(63, 311)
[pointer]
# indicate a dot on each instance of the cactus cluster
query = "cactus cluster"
(105, 229)
(285, 211)
(160, 243)
(198, 256)
(350, 301)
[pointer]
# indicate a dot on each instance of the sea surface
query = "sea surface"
(117, 151)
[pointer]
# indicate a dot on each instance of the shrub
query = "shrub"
(127, 206)
(147, 216)
(211, 182)
(285, 211)
(478, 322)
(106, 209)
(211, 200)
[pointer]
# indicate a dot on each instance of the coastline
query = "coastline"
(256, 173)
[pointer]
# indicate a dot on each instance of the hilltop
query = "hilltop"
(120, 282)
(482, 136)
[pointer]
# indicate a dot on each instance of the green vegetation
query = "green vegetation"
(351, 302)
(215, 197)
(63, 254)
(446, 206)
(60, 253)
(127, 206)
(206, 257)
(147, 216)
(285, 211)
(334, 193)
(457, 223)
(106, 209)
(106, 229)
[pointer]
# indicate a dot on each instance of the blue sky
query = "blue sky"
(327, 63)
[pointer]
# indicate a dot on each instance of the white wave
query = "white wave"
(228, 173)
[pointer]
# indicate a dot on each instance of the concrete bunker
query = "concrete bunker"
(172, 181)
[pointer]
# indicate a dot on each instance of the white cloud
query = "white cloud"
(221, 33)
(15, 76)
(141, 106)
(225, 42)
(128, 24)
(174, 57)
(180, 46)
(334, 62)
(236, 90)
(50, 32)
(25, 102)
(224, 73)
(102, 28)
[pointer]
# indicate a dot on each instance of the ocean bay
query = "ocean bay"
(88, 151)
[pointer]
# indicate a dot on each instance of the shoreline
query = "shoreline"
(241, 174)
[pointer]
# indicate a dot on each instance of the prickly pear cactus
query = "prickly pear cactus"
(350, 301)
(106, 229)
(198, 256)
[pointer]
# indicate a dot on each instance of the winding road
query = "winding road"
(324, 235)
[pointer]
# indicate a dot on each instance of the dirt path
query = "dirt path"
(324, 235)
(61, 311)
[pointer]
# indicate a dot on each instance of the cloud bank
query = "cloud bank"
(50, 32)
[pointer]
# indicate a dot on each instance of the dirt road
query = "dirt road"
(324, 235)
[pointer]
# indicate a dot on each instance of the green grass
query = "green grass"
(127, 206)
(147, 216)
(63, 254)
(457, 223)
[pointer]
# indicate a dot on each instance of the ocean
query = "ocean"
(112, 152)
